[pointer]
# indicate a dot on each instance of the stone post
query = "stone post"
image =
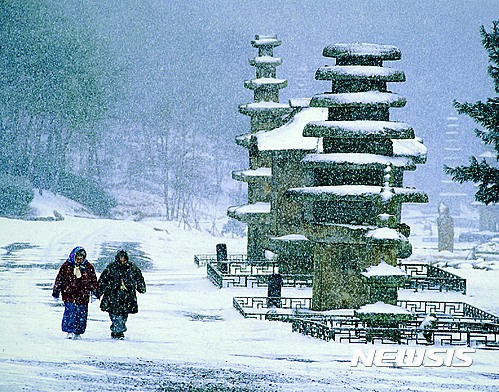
(445, 229)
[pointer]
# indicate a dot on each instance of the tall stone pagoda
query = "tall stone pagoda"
(351, 210)
(266, 113)
(451, 193)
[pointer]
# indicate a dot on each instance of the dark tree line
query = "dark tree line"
(66, 125)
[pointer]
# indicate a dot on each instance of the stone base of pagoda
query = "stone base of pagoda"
(294, 254)
(337, 270)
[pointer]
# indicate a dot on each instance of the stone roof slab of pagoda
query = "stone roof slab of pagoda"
(262, 174)
(359, 128)
(265, 83)
(291, 243)
(265, 108)
(337, 233)
(359, 72)
(265, 60)
(290, 135)
(256, 212)
(383, 52)
(410, 148)
(354, 192)
(244, 140)
(266, 40)
(366, 98)
(300, 102)
(357, 159)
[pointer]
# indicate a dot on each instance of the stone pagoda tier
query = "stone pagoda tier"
(266, 113)
(352, 208)
(451, 192)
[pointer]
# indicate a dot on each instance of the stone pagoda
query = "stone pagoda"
(351, 209)
(451, 193)
(266, 113)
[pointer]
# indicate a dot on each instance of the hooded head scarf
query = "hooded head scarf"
(71, 260)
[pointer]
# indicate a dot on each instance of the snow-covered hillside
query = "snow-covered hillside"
(186, 336)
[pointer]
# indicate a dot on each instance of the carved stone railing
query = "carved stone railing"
(202, 260)
(457, 323)
(257, 307)
(232, 273)
(447, 308)
(429, 277)
(443, 333)
(238, 271)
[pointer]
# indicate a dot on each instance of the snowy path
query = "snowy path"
(186, 336)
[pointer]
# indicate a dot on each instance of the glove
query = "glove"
(55, 295)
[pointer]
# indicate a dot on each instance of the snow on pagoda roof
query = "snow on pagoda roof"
(266, 60)
(386, 233)
(291, 237)
(411, 148)
(358, 159)
(334, 192)
(381, 307)
(387, 129)
(248, 211)
(384, 52)
(364, 72)
(263, 107)
(383, 269)
(290, 135)
(265, 40)
(299, 102)
(265, 82)
(369, 98)
(262, 173)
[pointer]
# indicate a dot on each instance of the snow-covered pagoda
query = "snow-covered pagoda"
(325, 195)
(325, 182)
(352, 207)
(266, 113)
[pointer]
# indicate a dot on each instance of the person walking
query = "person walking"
(76, 281)
(117, 286)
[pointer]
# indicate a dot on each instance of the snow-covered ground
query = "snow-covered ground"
(187, 336)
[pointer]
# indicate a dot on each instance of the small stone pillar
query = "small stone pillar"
(274, 291)
(445, 229)
(222, 257)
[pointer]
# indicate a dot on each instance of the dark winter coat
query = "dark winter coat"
(73, 289)
(118, 285)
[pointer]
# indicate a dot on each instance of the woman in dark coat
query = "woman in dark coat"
(76, 280)
(117, 286)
